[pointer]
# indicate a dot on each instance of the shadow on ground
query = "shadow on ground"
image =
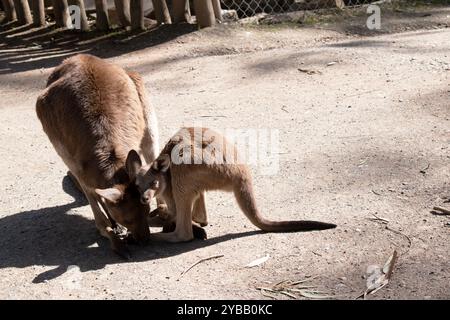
(57, 236)
(24, 48)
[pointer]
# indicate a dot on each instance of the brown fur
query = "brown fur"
(94, 113)
(182, 186)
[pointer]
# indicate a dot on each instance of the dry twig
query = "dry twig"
(375, 192)
(198, 262)
(378, 219)
(385, 223)
(402, 234)
(309, 72)
(443, 211)
(424, 170)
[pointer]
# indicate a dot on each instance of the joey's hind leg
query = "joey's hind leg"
(162, 217)
(169, 226)
(183, 221)
(197, 231)
(199, 212)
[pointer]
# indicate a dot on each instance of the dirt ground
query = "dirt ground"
(368, 134)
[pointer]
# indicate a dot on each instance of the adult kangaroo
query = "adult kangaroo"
(94, 113)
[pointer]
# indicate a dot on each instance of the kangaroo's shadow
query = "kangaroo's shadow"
(58, 236)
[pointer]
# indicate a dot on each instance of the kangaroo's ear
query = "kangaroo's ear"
(111, 194)
(133, 164)
(162, 163)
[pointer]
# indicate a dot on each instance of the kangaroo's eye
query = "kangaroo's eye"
(155, 184)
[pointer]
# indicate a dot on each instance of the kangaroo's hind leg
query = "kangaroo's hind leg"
(199, 212)
(183, 221)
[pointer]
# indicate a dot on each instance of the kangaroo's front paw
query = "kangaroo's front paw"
(169, 227)
(129, 239)
(161, 211)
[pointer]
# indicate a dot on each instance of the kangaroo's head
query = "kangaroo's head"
(153, 179)
(123, 201)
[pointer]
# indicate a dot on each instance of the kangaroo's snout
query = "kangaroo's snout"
(146, 197)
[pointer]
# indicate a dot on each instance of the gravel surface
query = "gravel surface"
(366, 133)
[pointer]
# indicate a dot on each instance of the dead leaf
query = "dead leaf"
(288, 294)
(257, 262)
(314, 295)
(378, 277)
(293, 290)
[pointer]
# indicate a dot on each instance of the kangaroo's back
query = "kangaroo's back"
(92, 113)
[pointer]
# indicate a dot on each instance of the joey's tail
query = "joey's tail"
(246, 200)
(290, 226)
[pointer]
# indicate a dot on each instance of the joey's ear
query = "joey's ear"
(162, 163)
(111, 194)
(133, 164)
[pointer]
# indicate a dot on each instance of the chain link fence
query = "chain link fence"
(248, 8)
